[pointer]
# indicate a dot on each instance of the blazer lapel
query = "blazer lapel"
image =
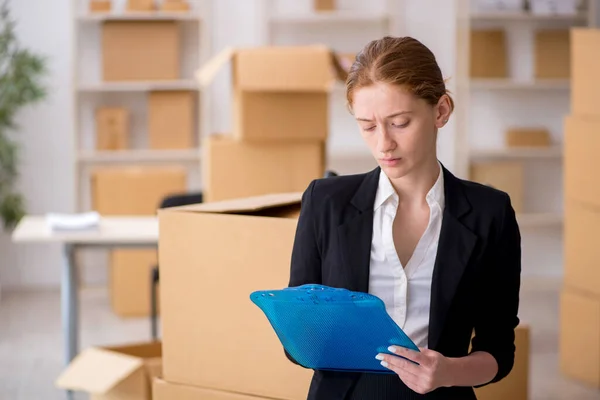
(455, 246)
(356, 232)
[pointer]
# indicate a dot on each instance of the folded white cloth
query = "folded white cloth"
(70, 222)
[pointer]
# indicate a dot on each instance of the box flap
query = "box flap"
(206, 74)
(141, 350)
(245, 205)
(97, 371)
(284, 68)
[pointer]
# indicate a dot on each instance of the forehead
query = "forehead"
(382, 99)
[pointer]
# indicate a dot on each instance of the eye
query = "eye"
(369, 129)
(400, 125)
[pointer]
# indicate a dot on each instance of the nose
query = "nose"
(385, 143)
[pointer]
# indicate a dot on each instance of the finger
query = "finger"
(412, 355)
(411, 381)
(401, 363)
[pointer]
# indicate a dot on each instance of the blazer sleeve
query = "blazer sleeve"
(497, 315)
(306, 257)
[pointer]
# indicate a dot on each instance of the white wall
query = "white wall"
(47, 170)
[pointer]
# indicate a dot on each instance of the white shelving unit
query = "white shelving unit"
(89, 91)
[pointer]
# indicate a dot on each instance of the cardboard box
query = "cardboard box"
(112, 128)
(503, 175)
(100, 5)
(140, 5)
(208, 320)
(527, 137)
(114, 373)
(488, 54)
(135, 190)
(579, 343)
(581, 249)
(171, 119)
(233, 169)
(324, 5)
(279, 92)
(129, 286)
(163, 390)
(140, 50)
(552, 54)
(175, 5)
(581, 161)
(585, 64)
(516, 385)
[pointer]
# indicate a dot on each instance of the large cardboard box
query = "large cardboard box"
(279, 92)
(171, 119)
(581, 161)
(488, 54)
(233, 169)
(112, 128)
(579, 343)
(129, 286)
(552, 54)
(581, 247)
(212, 256)
(585, 64)
(163, 390)
(140, 50)
(114, 373)
(507, 176)
(516, 385)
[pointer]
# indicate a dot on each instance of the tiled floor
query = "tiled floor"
(31, 342)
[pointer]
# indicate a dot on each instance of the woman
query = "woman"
(442, 253)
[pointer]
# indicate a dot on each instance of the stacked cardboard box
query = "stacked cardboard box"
(580, 299)
(280, 121)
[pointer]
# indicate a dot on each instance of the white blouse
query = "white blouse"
(405, 290)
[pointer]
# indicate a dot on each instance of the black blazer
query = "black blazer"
(476, 277)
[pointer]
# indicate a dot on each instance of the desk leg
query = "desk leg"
(69, 306)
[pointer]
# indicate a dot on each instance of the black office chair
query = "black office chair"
(177, 200)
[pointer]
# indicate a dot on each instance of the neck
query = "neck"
(413, 187)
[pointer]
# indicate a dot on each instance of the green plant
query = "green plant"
(21, 72)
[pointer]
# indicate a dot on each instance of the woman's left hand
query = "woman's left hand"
(434, 370)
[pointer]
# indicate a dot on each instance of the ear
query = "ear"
(443, 109)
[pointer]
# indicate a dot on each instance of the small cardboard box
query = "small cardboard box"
(114, 373)
(527, 137)
(140, 50)
(212, 256)
(324, 5)
(171, 119)
(112, 128)
(503, 175)
(516, 385)
(585, 64)
(135, 190)
(581, 161)
(233, 169)
(488, 54)
(163, 390)
(141, 5)
(579, 343)
(129, 285)
(177, 5)
(581, 249)
(279, 92)
(552, 54)
(100, 5)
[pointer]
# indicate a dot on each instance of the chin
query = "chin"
(395, 172)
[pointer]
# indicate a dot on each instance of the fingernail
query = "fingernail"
(392, 349)
(385, 364)
(379, 357)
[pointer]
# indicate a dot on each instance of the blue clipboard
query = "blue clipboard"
(325, 328)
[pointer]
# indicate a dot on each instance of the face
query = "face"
(399, 128)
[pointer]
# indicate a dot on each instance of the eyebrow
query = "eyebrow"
(389, 116)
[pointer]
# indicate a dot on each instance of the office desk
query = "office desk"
(112, 232)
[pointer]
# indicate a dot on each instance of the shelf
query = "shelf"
(139, 86)
(525, 16)
(518, 153)
(139, 16)
(329, 17)
(139, 156)
(539, 220)
(510, 84)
